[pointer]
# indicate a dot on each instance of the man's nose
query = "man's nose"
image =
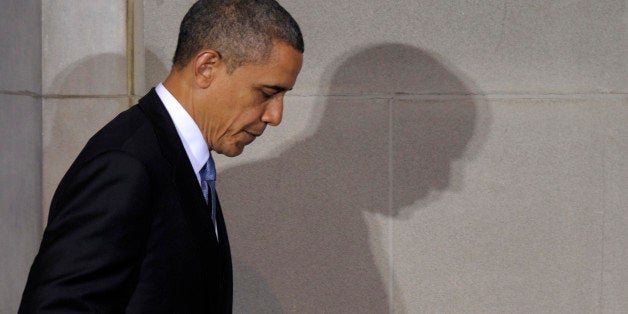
(274, 111)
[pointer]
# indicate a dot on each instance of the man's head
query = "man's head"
(234, 62)
(243, 31)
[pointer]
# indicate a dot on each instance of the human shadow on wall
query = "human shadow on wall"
(300, 240)
(155, 71)
(99, 74)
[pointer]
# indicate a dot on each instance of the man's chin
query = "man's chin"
(232, 154)
(231, 151)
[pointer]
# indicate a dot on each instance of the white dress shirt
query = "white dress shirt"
(189, 133)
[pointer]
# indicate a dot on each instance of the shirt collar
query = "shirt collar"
(189, 133)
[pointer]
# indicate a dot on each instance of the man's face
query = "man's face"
(237, 106)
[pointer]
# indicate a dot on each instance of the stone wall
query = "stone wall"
(20, 146)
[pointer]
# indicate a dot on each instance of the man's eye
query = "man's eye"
(266, 95)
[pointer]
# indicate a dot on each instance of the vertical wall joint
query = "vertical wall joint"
(130, 51)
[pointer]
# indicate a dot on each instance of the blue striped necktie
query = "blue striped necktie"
(208, 185)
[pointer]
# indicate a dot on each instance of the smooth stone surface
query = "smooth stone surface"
(526, 47)
(20, 46)
(615, 230)
(529, 47)
(299, 237)
(161, 30)
(85, 47)
(515, 222)
(20, 195)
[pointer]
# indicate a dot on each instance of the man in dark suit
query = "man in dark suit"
(135, 224)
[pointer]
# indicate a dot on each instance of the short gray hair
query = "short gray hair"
(242, 31)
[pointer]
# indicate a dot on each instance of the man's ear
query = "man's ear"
(206, 64)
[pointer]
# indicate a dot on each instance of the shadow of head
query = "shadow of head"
(155, 71)
(389, 116)
(386, 135)
(105, 74)
(100, 74)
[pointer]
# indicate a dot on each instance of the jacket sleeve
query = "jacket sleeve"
(95, 239)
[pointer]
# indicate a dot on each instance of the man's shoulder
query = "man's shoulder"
(121, 133)
(132, 132)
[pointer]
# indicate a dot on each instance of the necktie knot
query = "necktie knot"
(208, 172)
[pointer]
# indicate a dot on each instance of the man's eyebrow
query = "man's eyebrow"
(277, 88)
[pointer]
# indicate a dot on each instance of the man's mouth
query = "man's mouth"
(254, 134)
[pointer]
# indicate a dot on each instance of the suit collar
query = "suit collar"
(189, 133)
(182, 173)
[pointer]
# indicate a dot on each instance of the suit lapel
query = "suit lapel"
(226, 272)
(222, 234)
(193, 204)
(184, 178)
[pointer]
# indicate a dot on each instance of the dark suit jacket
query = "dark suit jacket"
(129, 229)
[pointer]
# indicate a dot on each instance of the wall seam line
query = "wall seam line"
(391, 272)
(130, 50)
(42, 209)
(453, 95)
(20, 93)
(603, 122)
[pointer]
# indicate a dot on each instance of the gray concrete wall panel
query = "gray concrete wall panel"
(536, 47)
(85, 47)
(20, 146)
(615, 229)
(523, 230)
(299, 238)
(20, 206)
(507, 47)
(161, 27)
(20, 46)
